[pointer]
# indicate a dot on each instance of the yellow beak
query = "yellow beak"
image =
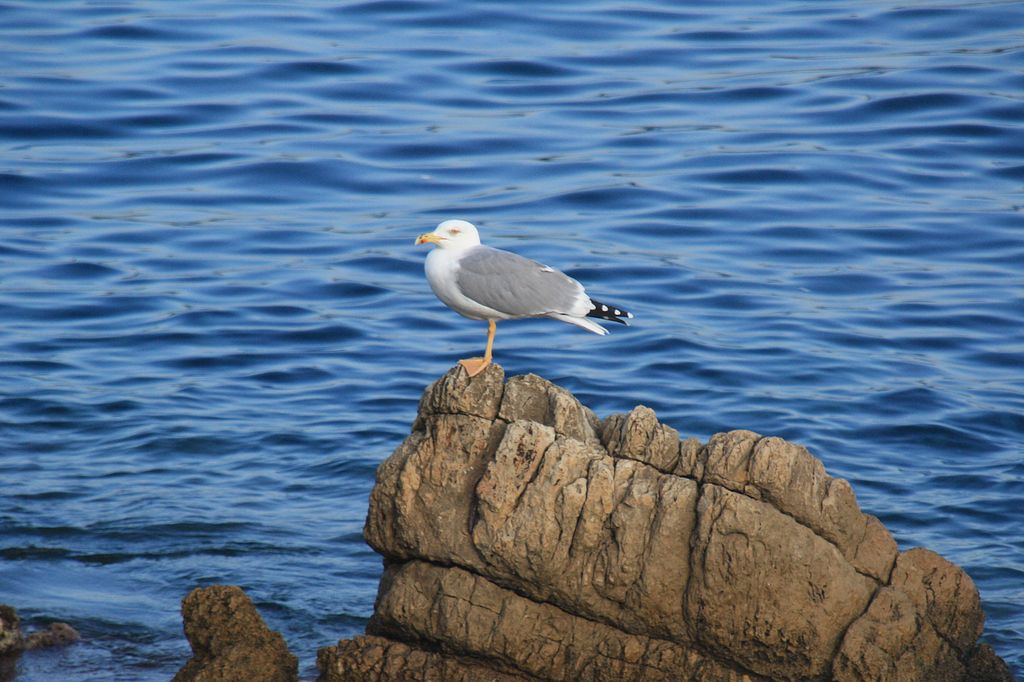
(428, 238)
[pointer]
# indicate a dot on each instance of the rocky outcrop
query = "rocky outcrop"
(56, 634)
(13, 641)
(230, 642)
(524, 539)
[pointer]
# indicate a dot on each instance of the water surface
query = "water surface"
(214, 324)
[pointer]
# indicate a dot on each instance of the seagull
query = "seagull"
(484, 283)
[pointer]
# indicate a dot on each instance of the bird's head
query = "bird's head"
(452, 234)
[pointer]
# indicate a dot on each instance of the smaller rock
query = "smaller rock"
(58, 634)
(11, 639)
(230, 641)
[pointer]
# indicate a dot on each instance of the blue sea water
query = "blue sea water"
(214, 323)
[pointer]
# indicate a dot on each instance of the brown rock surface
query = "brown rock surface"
(230, 642)
(57, 634)
(524, 539)
(378, 658)
(13, 641)
(943, 594)
(766, 591)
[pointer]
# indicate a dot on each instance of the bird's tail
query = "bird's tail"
(607, 312)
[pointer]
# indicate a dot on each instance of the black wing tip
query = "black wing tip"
(603, 311)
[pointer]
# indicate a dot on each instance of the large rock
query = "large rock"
(230, 642)
(526, 540)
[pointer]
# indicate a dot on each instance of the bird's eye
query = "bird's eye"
(454, 231)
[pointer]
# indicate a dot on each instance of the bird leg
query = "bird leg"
(474, 366)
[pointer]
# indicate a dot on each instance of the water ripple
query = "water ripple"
(215, 324)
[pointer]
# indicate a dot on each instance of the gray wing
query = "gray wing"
(515, 285)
